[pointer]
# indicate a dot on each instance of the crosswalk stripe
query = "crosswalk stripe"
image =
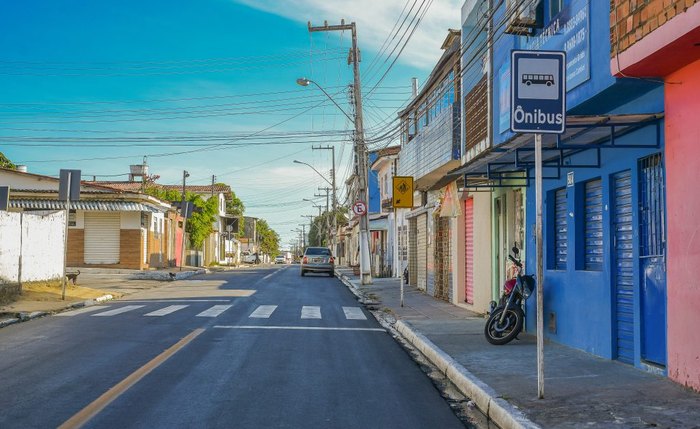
(119, 310)
(263, 312)
(82, 310)
(310, 312)
(354, 313)
(214, 311)
(166, 310)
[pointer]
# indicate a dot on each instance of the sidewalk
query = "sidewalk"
(581, 390)
(93, 285)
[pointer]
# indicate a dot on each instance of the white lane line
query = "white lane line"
(263, 312)
(298, 328)
(82, 310)
(354, 313)
(167, 310)
(118, 310)
(268, 276)
(310, 312)
(214, 311)
(176, 300)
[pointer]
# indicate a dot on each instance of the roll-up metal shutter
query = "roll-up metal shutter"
(623, 267)
(469, 251)
(560, 230)
(593, 228)
(422, 251)
(102, 238)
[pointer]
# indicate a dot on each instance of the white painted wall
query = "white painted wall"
(9, 247)
(130, 220)
(42, 246)
(41, 250)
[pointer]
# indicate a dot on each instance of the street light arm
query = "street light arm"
(317, 172)
(305, 82)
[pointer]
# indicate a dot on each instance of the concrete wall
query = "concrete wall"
(39, 241)
(683, 205)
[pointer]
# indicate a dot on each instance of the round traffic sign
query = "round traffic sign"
(359, 208)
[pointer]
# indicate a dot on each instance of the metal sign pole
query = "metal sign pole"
(540, 271)
(65, 237)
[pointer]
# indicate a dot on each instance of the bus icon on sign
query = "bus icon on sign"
(538, 79)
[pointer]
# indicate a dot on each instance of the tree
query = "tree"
(322, 226)
(268, 238)
(6, 163)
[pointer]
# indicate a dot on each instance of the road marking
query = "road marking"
(214, 311)
(354, 313)
(176, 300)
(82, 310)
(166, 310)
(83, 416)
(299, 328)
(263, 312)
(310, 312)
(118, 310)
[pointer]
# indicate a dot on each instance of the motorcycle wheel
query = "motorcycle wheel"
(502, 333)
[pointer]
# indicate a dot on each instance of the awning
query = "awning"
(514, 159)
(87, 205)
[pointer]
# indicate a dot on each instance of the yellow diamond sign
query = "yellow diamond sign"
(403, 192)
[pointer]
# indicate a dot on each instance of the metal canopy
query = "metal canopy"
(87, 205)
(509, 164)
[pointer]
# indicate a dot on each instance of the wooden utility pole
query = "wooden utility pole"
(333, 225)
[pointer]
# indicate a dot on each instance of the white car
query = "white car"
(279, 259)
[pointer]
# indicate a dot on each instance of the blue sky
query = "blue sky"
(98, 85)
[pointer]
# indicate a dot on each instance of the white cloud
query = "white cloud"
(375, 19)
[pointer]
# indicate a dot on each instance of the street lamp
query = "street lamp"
(302, 81)
(317, 172)
(360, 152)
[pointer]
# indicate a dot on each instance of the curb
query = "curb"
(497, 409)
(500, 411)
(25, 316)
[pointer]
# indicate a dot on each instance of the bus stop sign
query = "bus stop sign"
(538, 92)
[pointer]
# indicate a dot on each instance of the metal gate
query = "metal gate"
(102, 238)
(652, 255)
(422, 251)
(561, 229)
(623, 266)
(442, 256)
(593, 226)
(413, 252)
(469, 250)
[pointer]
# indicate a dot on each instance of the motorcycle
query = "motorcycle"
(507, 317)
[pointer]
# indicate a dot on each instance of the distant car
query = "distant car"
(250, 258)
(318, 260)
(279, 259)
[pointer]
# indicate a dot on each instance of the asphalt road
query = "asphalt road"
(254, 348)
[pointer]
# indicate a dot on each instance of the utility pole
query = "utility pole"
(360, 148)
(183, 211)
(327, 226)
(311, 224)
(334, 228)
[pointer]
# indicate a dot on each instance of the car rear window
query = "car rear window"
(317, 251)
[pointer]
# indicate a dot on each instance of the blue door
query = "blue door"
(652, 254)
(623, 266)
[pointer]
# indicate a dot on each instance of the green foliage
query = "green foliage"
(322, 225)
(201, 224)
(6, 163)
(269, 239)
(163, 194)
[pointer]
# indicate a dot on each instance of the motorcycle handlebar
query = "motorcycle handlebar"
(515, 261)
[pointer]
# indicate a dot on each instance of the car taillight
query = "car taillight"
(305, 261)
(331, 260)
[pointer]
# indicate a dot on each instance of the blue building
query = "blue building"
(604, 204)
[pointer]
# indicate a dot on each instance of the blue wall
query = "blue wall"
(375, 205)
(582, 300)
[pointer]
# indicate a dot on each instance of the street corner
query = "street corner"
(42, 298)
